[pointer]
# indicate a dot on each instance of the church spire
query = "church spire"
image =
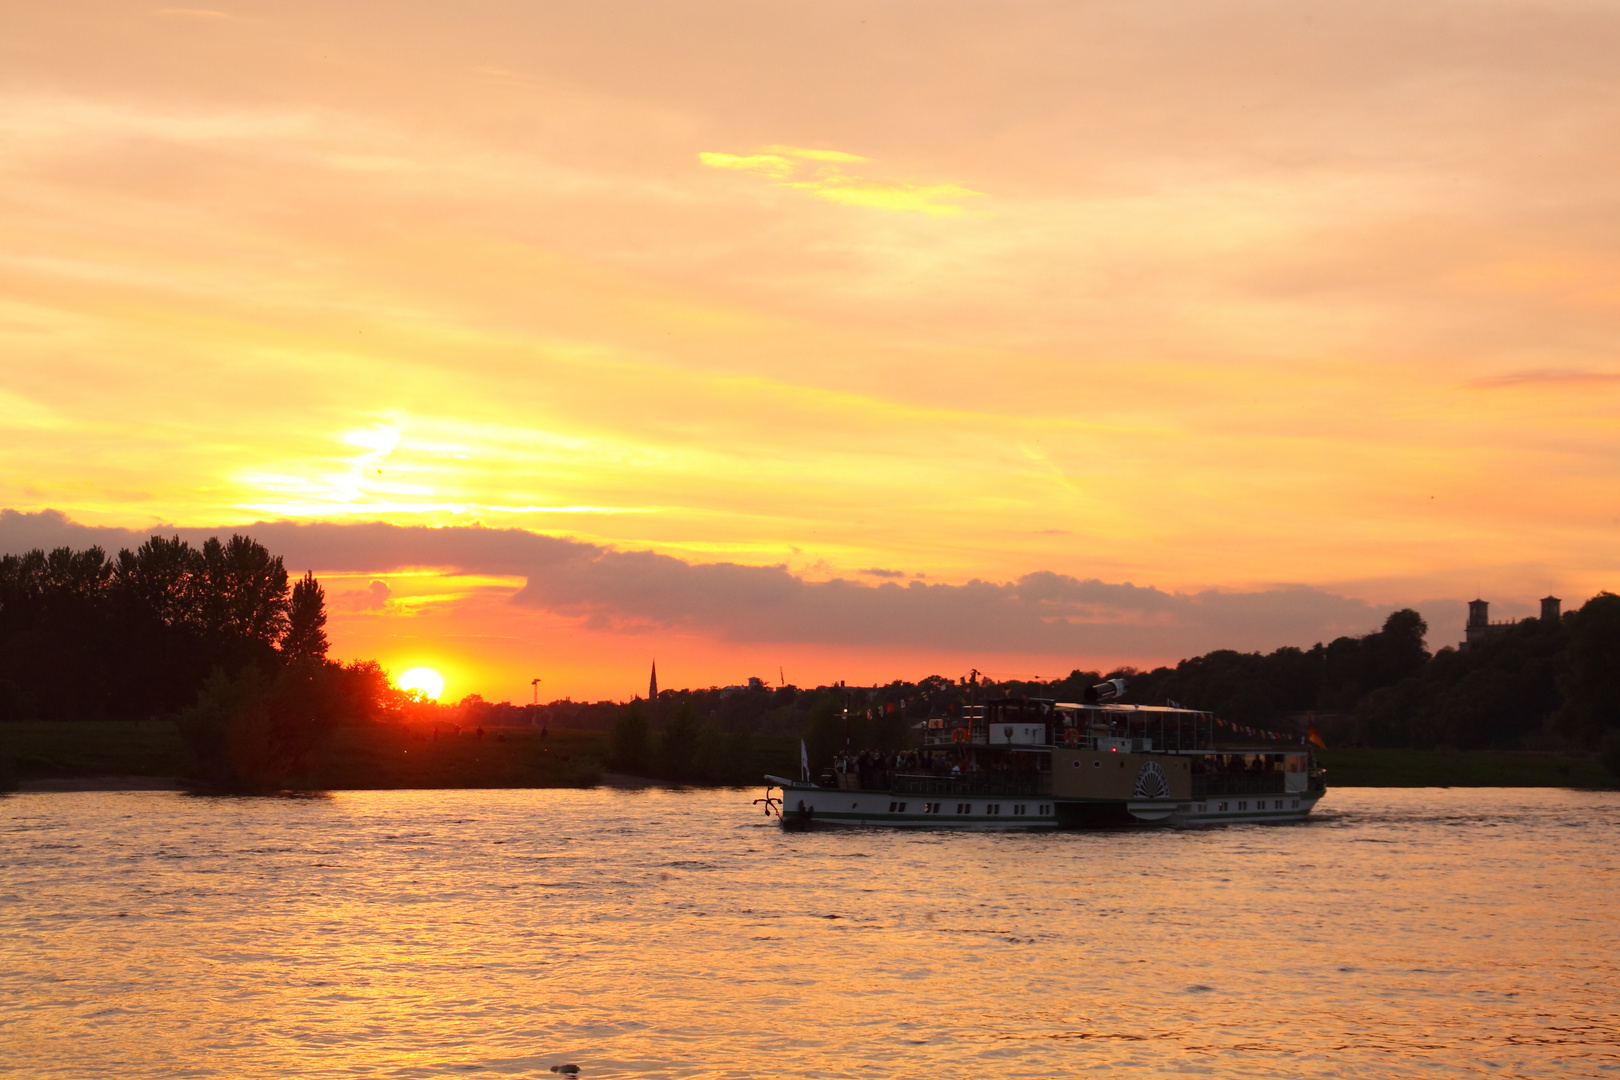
(652, 684)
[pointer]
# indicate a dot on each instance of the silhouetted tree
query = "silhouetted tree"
(305, 638)
(84, 636)
(1590, 676)
(161, 576)
(1396, 652)
(255, 731)
(629, 746)
(824, 732)
(243, 592)
(677, 744)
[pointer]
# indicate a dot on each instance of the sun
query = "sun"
(424, 681)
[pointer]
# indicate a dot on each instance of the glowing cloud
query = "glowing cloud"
(818, 172)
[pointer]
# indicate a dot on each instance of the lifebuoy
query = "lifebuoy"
(1072, 736)
(960, 734)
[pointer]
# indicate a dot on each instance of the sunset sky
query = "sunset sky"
(837, 340)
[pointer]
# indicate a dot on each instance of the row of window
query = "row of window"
(1018, 809)
(1259, 804)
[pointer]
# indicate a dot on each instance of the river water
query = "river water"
(1400, 933)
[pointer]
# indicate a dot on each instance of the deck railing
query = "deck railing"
(1212, 784)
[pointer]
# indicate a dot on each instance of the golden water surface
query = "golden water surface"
(677, 934)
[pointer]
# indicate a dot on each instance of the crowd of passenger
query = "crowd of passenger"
(1236, 764)
(875, 769)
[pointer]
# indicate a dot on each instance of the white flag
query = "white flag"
(804, 762)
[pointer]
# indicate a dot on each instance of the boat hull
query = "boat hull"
(804, 806)
(807, 806)
(1227, 810)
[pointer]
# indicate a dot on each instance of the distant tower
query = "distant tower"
(1479, 623)
(652, 684)
(1550, 608)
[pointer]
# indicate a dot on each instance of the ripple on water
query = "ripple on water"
(652, 934)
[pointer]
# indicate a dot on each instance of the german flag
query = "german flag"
(1315, 736)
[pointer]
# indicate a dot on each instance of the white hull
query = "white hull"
(1227, 810)
(833, 806)
(812, 805)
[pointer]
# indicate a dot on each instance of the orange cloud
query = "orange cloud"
(1199, 300)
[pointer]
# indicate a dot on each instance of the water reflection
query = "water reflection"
(417, 934)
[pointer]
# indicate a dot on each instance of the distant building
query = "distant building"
(1480, 626)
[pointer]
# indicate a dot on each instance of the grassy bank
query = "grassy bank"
(1455, 768)
(357, 757)
(42, 750)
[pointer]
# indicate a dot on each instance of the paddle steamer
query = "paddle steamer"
(1027, 763)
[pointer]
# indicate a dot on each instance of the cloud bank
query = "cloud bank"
(641, 592)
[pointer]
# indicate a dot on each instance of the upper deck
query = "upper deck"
(1035, 725)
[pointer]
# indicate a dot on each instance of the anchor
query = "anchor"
(771, 804)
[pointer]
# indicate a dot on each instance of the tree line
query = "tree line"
(220, 637)
(1533, 685)
(217, 636)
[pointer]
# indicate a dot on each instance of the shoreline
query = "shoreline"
(150, 756)
(114, 782)
(625, 782)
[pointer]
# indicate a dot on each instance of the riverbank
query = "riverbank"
(128, 754)
(131, 754)
(1352, 767)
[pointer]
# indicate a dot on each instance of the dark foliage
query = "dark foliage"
(84, 636)
(305, 639)
(1264, 689)
(629, 751)
(1589, 679)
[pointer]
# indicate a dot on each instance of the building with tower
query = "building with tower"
(1480, 626)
